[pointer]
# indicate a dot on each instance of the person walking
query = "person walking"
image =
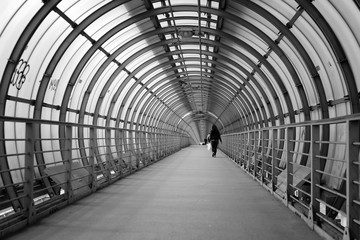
(214, 138)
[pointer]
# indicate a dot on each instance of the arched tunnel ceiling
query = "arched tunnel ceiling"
(180, 64)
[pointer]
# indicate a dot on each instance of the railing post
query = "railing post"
(262, 155)
(144, 148)
(68, 163)
(238, 147)
(162, 145)
(246, 153)
(248, 165)
(29, 173)
(233, 146)
(228, 148)
(157, 145)
(169, 142)
(273, 158)
(352, 181)
(120, 149)
(242, 150)
(92, 170)
(315, 175)
(254, 153)
(255, 139)
(151, 147)
(108, 155)
(130, 146)
(290, 136)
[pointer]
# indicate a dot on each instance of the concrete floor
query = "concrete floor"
(189, 195)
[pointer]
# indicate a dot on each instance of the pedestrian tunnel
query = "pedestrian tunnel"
(92, 91)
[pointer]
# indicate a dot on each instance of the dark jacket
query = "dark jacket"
(215, 134)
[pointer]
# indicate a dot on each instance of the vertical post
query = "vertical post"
(144, 148)
(273, 158)
(233, 144)
(262, 155)
(92, 170)
(108, 155)
(255, 136)
(289, 146)
(245, 149)
(158, 142)
(242, 149)
(130, 143)
(238, 148)
(315, 175)
(151, 147)
(163, 145)
(228, 146)
(248, 159)
(29, 172)
(168, 141)
(68, 163)
(120, 149)
(155, 144)
(352, 180)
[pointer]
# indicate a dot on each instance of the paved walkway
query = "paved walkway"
(189, 195)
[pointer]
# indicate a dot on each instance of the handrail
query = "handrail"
(60, 123)
(334, 120)
(306, 171)
(46, 170)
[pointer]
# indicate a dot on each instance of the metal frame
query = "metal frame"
(301, 186)
(119, 153)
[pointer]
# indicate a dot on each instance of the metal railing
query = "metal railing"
(46, 165)
(313, 167)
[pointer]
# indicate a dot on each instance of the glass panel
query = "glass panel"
(159, 77)
(131, 51)
(15, 16)
(43, 44)
(255, 19)
(321, 55)
(147, 59)
(302, 71)
(286, 79)
(111, 19)
(85, 78)
(120, 99)
(61, 76)
(265, 88)
(79, 10)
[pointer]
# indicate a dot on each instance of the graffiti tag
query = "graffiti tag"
(20, 73)
(53, 84)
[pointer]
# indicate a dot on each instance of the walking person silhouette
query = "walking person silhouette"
(214, 138)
